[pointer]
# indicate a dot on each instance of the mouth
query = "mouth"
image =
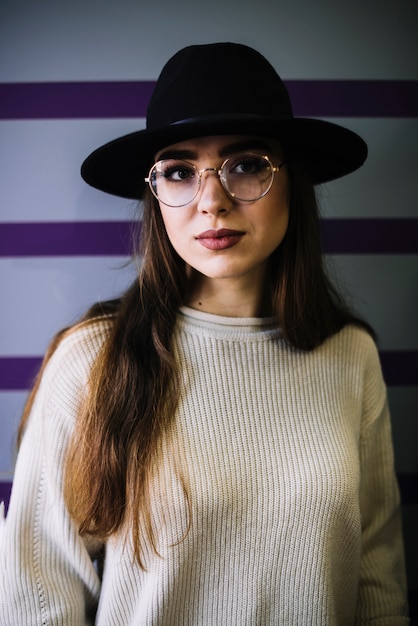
(219, 239)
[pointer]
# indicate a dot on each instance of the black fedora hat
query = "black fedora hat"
(221, 89)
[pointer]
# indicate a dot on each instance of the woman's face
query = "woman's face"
(222, 238)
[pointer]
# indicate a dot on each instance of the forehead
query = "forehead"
(219, 146)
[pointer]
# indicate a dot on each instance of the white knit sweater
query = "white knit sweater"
(288, 458)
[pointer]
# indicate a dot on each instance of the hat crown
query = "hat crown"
(221, 79)
(221, 89)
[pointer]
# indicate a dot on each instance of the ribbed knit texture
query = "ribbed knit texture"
(289, 466)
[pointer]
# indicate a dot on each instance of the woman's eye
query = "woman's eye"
(247, 165)
(178, 173)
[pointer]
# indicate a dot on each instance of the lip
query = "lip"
(219, 239)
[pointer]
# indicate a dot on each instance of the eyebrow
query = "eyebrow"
(245, 144)
(178, 154)
(238, 146)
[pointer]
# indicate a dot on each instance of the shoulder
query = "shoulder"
(351, 354)
(358, 353)
(81, 343)
(66, 373)
(354, 343)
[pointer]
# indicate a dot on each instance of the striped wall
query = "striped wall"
(75, 75)
(340, 236)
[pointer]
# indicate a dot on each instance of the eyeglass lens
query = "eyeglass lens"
(246, 177)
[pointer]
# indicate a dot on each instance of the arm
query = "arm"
(382, 592)
(46, 568)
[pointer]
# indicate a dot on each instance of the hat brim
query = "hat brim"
(327, 151)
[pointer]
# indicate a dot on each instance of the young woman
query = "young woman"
(213, 447)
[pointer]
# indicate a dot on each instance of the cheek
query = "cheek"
(278, 214)
(278, 227)
(169, 220)
(175, 226)
(276, 221)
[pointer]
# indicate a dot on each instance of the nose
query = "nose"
(212, 198)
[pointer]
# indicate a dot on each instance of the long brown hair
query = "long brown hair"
(133, 386)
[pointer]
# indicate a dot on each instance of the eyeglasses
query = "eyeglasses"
(245, 177)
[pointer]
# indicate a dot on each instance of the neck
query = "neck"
(229, 298)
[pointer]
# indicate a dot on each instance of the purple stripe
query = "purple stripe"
(354, 98)
(18, 373)
(122, 99)
(339, 236)
(5, 489)
(408, 485)
(370, 236)
(65, 239)
(400, 368)
(74, 100)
